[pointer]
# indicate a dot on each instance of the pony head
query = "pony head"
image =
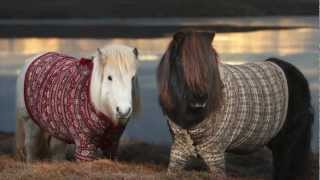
(114, 83)
(188, 78)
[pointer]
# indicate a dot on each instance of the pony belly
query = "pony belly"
(247, 149)
(57, 132)
(253, 136)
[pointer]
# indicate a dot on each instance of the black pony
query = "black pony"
(192, 90)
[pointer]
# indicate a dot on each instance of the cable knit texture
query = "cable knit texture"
(255, 100)
(56, 92)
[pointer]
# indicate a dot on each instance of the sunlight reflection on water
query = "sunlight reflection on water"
(281, 42)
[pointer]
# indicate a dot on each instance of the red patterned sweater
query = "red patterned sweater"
(56, 92)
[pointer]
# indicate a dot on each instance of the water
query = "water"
(297, 21)
(298, 46)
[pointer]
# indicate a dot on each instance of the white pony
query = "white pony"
(44, 125)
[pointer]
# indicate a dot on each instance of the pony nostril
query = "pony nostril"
(118, 109)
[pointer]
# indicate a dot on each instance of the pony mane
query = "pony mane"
(120, 57)
(189, 67)
(123, 58)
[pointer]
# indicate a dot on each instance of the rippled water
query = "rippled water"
(298, 46)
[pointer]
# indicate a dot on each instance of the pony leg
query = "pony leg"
(34, 141)
(291, 151)
(215, 162)
(57, 149)
(111, 152)
(182, 151)
(20, 153)
(85, 150)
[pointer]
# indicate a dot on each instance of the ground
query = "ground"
(136, 161)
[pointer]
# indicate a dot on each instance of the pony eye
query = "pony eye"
(110, 78)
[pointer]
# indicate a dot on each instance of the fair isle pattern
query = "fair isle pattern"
(56, 92)
(255, 100)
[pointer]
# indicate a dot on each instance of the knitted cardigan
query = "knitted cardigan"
(57, 98)
(255, 100)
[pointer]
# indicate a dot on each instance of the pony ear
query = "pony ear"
(99, 56)
(209, 35)
(176, 46)
(135, 52)
(179, 36)
(177, 41)
(99, 51)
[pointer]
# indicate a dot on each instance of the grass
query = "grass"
(136, 161)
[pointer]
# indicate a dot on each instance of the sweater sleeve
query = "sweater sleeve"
(214, 158)
(209, 147)
(182, 149)
(85, 148)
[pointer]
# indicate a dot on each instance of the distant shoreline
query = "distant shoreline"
(144, 27)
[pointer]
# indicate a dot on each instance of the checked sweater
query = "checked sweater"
(254, 108)
(57, 98)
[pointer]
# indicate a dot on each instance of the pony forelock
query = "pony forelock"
(188, 71)
(121, 57)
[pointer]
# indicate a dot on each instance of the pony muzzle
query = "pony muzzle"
(123, 113)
